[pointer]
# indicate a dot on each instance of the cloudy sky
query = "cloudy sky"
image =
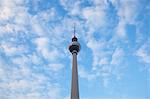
(114, 61)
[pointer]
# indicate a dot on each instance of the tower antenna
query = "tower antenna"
(74, 29)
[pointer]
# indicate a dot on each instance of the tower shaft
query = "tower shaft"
(74, 84)
(74, 48)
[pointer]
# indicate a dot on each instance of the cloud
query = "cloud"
(143, 52)
(117, 56)
(14, 17)
(73, 7)
(23, 70)
(40, 21)
(5, 13)
(38, 26)
(11, 50)
(23, 82)
(86, 75)
(106, 60)
(42, 47)
(54, 92)
(102, 3)
(127, 13)
(121, 31)
(99, 52)
(55, 67)
(41, 42)
(94, 16)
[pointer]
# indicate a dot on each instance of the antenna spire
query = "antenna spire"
(74, 29)
(74, 32)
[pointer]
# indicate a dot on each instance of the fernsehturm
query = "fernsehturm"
(74, 48)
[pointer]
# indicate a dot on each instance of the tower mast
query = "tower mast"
(74, 48)
(74, 29)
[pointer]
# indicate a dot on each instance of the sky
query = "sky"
(114, 60)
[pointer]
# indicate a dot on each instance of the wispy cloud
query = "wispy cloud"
(117, 56)
(127, 13)
(143, 52)
(34, 39)
(86, 75)
(21, 74)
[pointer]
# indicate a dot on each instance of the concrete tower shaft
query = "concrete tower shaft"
(74, 48)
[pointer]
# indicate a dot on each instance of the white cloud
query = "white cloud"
(55, 67)
(114, 2)
(104, 61)
(42, 47)
(41, 19)
(48, 15)
(24, 60)
(86, 75)
(11, 50)
(11, 8)
(117, 56)
(94, 16)
(8, 28)
(54, 92)
(20, 84)
(41, 42)
(102, 3)
(2, 69)
(14, 16)
(22, 18)
(35, 58)
(73, 7)
(24, 76)
(24, 83)
(97, 48)
(143, 52)
(107, 57)
(106, 82)
(121, 31)
(5, 13)
(37, 26)
(20, 60)
(127, 12)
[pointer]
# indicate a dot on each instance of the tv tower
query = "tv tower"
(74, 48)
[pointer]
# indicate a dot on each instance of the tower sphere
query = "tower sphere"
(74, 46)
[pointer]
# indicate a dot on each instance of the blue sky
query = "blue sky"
(114, 61)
